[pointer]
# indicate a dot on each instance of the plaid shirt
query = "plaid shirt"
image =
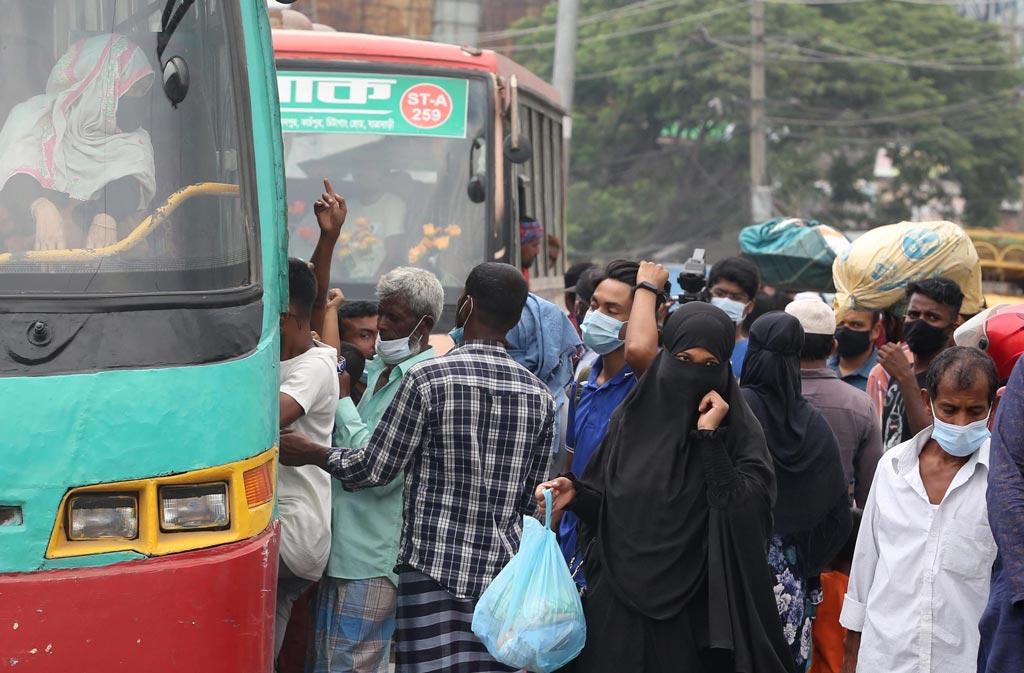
(473, 431)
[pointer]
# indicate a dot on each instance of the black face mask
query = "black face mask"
(851, 343)
(924, 339)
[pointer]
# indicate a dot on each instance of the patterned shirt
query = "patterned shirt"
(472, 431)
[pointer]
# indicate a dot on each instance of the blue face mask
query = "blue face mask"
(601, 332)
(960, 440)
(457, 334)
(734, 309)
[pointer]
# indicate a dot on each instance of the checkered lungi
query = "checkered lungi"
(353, 624)
(435, 630)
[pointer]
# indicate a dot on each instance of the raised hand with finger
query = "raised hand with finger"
(331, 211)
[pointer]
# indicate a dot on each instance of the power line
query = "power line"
(813, 56)
(632, 9)
(601, 37)
(899, 117)
(863, 56)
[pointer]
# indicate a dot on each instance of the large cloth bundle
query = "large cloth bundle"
(531, 617)
(873, 274)
(792, 254)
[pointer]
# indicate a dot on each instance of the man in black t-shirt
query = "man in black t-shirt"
(933, 310)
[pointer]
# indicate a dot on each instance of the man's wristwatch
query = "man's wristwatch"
(649, 286)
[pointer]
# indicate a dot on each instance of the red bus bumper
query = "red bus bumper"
(208, 610)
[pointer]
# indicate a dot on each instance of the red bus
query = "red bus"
(440, 150)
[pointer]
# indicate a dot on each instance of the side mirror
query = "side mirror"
(476, 189)
(176, 80)
(518, 151)
(517, 147)
(477, 186)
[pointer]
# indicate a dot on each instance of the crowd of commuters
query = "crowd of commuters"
(743, 483)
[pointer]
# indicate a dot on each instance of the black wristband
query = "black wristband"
(648, 286)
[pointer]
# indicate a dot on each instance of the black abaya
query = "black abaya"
(813, 504)
(681, 521)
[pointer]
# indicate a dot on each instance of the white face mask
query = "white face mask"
(394, 351)
(734, 309)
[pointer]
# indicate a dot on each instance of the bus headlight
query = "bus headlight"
(103, 515)
(198, 507)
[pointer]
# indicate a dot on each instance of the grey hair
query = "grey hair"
(420, 288)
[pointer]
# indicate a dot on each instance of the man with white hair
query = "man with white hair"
(847, 409)
(355, 605)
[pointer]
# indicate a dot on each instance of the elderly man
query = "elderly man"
(355, 605)
(472, 432)
(923, 562)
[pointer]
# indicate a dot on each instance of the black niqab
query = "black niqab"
(659, 541)
(812, 488)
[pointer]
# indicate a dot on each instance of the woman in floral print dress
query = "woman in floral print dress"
(812, 510)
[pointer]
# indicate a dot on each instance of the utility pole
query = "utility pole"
(760, 192)
(564, 71)
(565, 50)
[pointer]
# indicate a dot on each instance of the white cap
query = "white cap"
(814, 315)
(807, 296)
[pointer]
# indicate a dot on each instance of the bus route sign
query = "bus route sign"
(406, 105)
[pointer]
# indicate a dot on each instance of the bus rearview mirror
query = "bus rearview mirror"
(176, 80)
(518, 152)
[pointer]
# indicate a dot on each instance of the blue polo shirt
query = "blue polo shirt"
(739, 354)
(588, 422)
(859, 378)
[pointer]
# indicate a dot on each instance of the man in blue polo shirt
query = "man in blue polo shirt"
(612, 375)
(855, 356)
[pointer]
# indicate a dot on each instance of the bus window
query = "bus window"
(399, 148)
(540, 183)
(105, 187)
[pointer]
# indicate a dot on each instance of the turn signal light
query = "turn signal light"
(259, 484)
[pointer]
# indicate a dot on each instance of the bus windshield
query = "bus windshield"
(106, 185)
(402, 150)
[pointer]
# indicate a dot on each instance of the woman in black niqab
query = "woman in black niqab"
(677, 519)
(812, 512)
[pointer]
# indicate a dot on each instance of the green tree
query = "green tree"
(660, 145)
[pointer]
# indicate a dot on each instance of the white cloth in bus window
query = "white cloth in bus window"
(68, 138)
(304, 493)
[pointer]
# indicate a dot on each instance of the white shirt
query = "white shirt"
(920, 576)
(304, 493)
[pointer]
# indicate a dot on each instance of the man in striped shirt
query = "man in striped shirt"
(472, 432)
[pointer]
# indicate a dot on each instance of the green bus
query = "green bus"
(142, 274)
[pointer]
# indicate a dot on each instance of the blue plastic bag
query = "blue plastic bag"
(530, 617)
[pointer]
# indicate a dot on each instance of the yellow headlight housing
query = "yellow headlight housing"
(169, 514)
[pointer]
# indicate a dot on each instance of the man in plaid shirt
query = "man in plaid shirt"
(472, 431)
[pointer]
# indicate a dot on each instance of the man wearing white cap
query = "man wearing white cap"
(847, 410)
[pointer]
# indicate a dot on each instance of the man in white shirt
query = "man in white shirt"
(308, 398)
(921, 570)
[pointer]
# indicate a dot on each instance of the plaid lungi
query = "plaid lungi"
(435, 630)
(353, 624)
